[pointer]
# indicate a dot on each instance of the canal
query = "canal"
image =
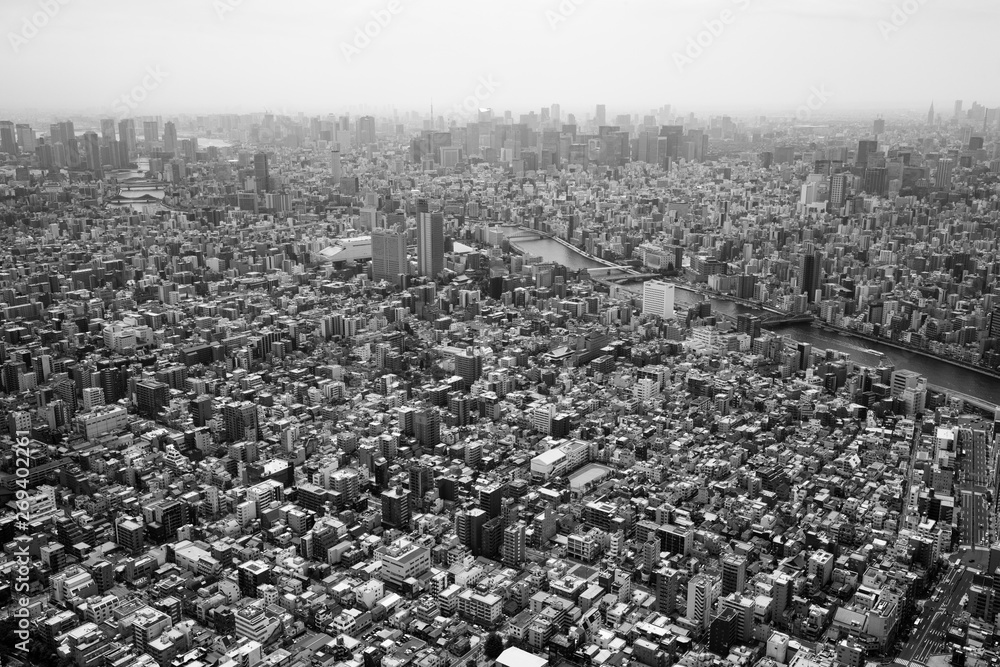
(938, 373)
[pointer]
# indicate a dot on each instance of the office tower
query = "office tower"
(942, 175)
(879, 126)
(930, 115)
(92, 146)
(8, 138)
(734, 574)
(876, 180)
(126, 133)
(602, 115)
(491, 500)
(701, 597)
(336, 168)
(396, 509)
(170, 138)
(365, 130)
(430, 240)
(810, 275)
(866, 148)
(958, 109)
(129, 534)
(838, 191)
(421, 481)
(69, 141)
(201, 409)
(150, 132)
(554, 113)
(261, 175)
(388, 254)
(108, 129)
(667, 584)
(468, 366)
(658, 299)
(26, 138)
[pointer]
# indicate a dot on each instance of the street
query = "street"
(974, 522)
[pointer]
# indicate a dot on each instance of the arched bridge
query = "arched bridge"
(525, 234)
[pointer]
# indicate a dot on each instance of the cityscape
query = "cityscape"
(500, 381)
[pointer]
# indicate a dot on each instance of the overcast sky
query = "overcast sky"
(632, 55)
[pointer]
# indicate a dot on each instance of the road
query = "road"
(928, 637)
(974, 523)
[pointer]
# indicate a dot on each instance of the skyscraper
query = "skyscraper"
(336, 168)
(879, 126)
(810, 274)
(554, 113)
(92, 145)
(108, 129)
(430, 240)
(25, 137)
(658, 299)
(388, 254)
(365, 130)
(8, 139)
(866, 148)
(170, 137)
(126, 134)
(838, 191)
(602, 115)
(930, 115)
(261, 175)
(958, 109)
(150, 132)
(942, 175)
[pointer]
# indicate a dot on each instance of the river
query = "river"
(938, 373)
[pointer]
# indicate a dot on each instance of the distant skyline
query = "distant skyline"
(742, 56)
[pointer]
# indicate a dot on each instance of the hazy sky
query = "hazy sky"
(632, 55)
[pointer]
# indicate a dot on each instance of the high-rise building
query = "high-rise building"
(427, 427)
(170, 138)
(126, 133)
(658, 299)
(92, 146)
(336, 168)
(151, 397)
(879, 126)
(734, 574)
(930, 115)
(430, 240)
(513, 550)
(150, 132)
(554, 113)
(700, 598)
(25, 138)
(838, 191)
(365, 128)
(468, 366)
(388, 254)
(958, 109)
(8, 138)
(396, 509)
(942, 175)
(602, 115)
(810, 274)
(250, 575)
(108, 129)
(261, 174)
(866, 148)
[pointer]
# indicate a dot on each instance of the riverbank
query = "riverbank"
(909, 348)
